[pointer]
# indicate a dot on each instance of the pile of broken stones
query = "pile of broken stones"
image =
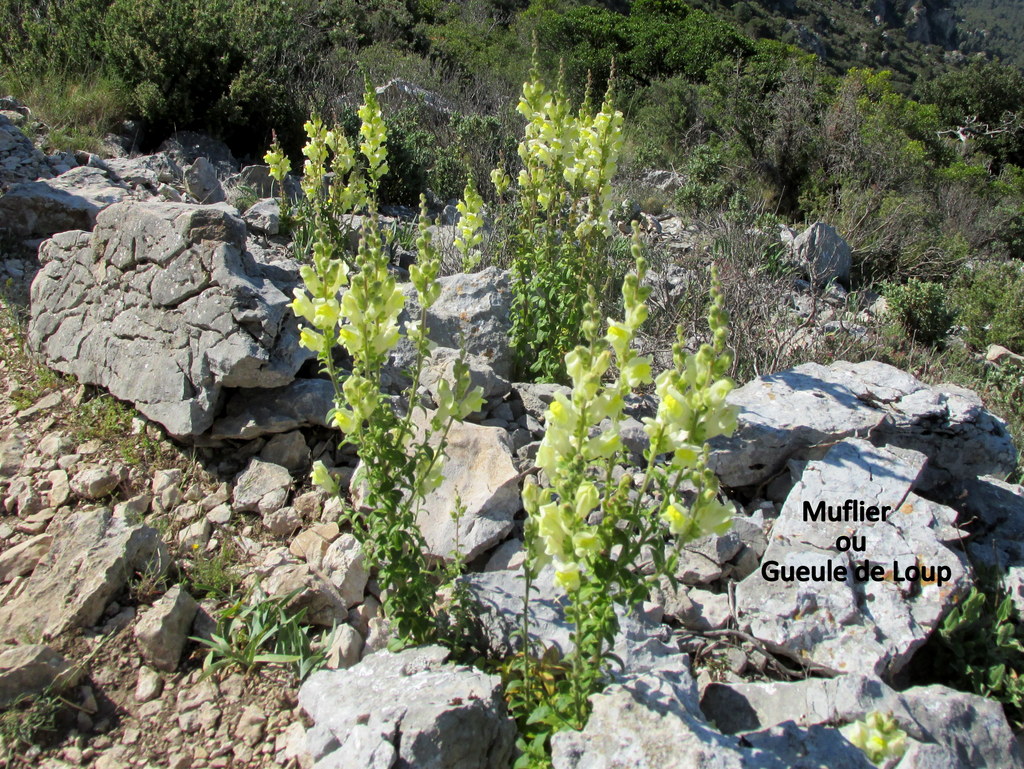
(151, 282)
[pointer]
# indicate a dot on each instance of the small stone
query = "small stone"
(95, 482)
(263, 486)
(311, 544)
(149, 685)
(283, 522)
(21, 559)
(345, 648)
(166, 489)
(289, 450)
(220, 515)
(161, 630)
(195, 536)
(250, 726)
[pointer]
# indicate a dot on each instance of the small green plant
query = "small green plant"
(353, 302)
(213, 575)
(594, 529)
(920, 307)
(261, 633)
(562, 227)
(981, 641)
(27, 721)
(879, 736)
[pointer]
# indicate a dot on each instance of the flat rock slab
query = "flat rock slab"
(800, 412)
(652, 721)
(408, 709)
(848, 624)
(251, 413)
(962, 730)
(70, 201)
(31, 669)
(164, 308)
(92, 557)
(640, 643)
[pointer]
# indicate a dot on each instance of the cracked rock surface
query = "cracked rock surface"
(163, 306)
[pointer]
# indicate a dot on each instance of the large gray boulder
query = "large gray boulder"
(70, 201)
(822, 254)
(847, 623)
(799, 413)
(472, 310)
(408, 709)
(93, 556)
(163, 306)
(962, 730)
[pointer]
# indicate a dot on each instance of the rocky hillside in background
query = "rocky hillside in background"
(911, 37)
(993, 26)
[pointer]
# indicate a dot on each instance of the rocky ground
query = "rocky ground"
(163, 280)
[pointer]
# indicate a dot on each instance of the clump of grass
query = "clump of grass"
(76, 110)
(212, 575)
(28, 721)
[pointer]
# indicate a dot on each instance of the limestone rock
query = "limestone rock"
(92, 556)
(95, 481)
(473, 308)
(441, 364)
(345, 648)
(162, 629)
(70, 201)
(822, 254)
(408, 709)
(163, 307)
(323, 603)
(251, 413)
(478, 469)
(289, 450)
(146, 170)
(963, 729)
(30, 669)
(262, 487)
(264, 216)
(201, 182)
(846, 624)
(343, 565)
(800, 412)
(21, 559)
(20, 161)
(499, 598)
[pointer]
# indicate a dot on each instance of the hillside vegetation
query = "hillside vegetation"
(916, 160)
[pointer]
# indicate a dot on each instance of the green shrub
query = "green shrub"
(920, 308)
(991, 301)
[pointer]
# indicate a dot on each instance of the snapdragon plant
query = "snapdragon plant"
(595, 530)
(561, 227)
(352, 301)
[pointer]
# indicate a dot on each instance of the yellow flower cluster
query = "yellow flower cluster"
(879, 736)
(583, 440)
(469, 231)
(580, 149)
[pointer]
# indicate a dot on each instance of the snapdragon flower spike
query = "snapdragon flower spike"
(469, 230)
(373, 135)
(279, 163)
(576, 449)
